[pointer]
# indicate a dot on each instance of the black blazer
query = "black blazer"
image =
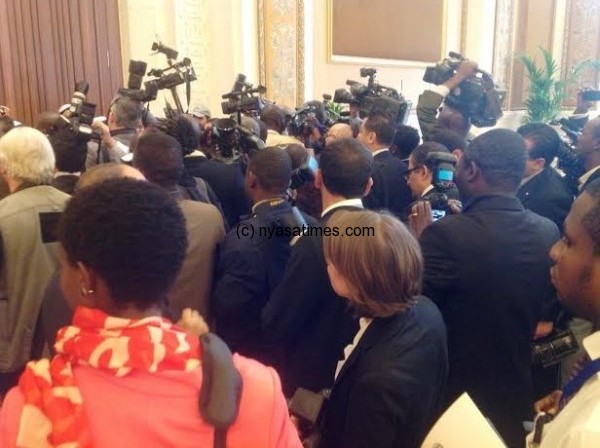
(248, 270)
(389, 390)
(488, 270)
(307, 319)
(390, 190)
(547, 195)
(227, 181)
(65, 183)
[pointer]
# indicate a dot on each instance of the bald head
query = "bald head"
(100, 173)
(338, 131)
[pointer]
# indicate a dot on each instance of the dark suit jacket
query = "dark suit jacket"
(547, 195)
(65, 183)
(389, 390)
(488, 270)
(248, 270)
(227, 181)
(390, 190)
(307, 319)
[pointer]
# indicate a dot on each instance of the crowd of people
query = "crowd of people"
(122, 256)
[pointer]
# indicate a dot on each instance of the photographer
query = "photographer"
(419, 176)
(70, 152)
(124, 120)
(276, 122)
(448, 118)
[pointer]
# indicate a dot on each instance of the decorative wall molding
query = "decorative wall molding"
(504, 38)
(193, 40)
(581, 41)
(281, 50)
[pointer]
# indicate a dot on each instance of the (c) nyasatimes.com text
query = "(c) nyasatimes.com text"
(249, 230)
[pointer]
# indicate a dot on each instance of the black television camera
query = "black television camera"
(244, 98)
(476, 97)
(374, 98)
(554, 348)
(174, 75)
(313, 115)
(568, 161)
(137, 71)
(442, 166)
(80, 114)
(229, 140)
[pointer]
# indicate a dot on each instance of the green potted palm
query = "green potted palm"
(547, 91)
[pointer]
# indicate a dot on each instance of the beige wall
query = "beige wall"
(219, 36)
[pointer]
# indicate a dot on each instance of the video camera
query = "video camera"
(167, 78)
(229, 140)
(476, 97)
(442, 166)
(312, 115)
(80, 114)
(244, 98)
(374, 98)
(137, 71)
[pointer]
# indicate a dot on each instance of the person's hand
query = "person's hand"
(193, 322)
(420, 217)
(466, 69)
(549, 404)
(101, 128)
(543, 329)
(455, 206)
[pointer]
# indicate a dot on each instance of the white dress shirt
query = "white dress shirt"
(577, 425)
(363, 323)
(583, 179)
(379, 151)
(355, 202)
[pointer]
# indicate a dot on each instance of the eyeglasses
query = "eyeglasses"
(409, 171)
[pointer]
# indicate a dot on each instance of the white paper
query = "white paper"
(462, 426)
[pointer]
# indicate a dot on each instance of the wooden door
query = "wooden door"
(48, 45)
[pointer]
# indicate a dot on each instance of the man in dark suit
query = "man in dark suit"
(389, 186)
(588, 148)
(226, 180)
(487, 269)
(304, 316)
(542, 189)
(70, 152)
(250, 264)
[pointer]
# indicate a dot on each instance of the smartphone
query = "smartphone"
(437, 214)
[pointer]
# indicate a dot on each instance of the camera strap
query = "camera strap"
(588, 370)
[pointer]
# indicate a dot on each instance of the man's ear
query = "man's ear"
(539, 163)
(368, 187)
(251, 180)
(318, 179)
(472, 172)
